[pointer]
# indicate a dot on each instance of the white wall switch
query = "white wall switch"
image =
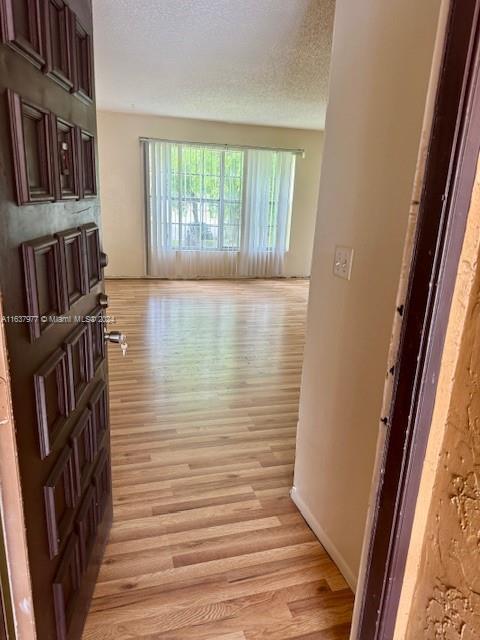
(342, 264)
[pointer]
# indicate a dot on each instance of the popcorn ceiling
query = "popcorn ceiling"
(247, 61)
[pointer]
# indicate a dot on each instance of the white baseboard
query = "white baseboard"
(325, 541)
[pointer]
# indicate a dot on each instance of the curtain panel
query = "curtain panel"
(216, 213)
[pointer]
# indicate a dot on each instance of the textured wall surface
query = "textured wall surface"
(447, 594)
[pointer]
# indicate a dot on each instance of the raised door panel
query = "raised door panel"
(92, 254)
(82, 51)
(87, 524)
(98, 404)
(88, 171)
(80, 369)
(58, 22)
(32, 150)
(52, 400)
(96, 324)
(83, 445)
(66, 159)
(73, 269)
(66, 585)
(43, 277)
(102, 483)
(61, 496)
(22, 28)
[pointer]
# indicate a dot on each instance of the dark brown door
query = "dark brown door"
(51, 280)
(3, 627)
(4, 591)
(3, 616)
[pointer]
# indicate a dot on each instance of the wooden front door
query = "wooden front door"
(3, 621)
(52, 284)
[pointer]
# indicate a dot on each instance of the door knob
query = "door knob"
(117, 337)
(103, 260)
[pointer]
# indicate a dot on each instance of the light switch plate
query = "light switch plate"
(342, 264)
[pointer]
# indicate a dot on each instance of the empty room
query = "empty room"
(238, 285)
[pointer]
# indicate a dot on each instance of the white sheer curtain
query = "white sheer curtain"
(161, 258)
(267, 196)
(267, 207)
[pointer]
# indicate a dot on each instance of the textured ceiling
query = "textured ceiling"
(250, 61)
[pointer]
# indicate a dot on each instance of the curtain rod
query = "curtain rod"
(297, 152)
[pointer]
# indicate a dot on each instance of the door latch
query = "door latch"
(103, 300)
(117, 337)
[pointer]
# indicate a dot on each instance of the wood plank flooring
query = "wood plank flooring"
(206, 543)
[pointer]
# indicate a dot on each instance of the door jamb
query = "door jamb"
(15, 575)
(449, 178)
(7, 629)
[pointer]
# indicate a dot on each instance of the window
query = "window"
(206, 197)
(216, 211)
(201, 189)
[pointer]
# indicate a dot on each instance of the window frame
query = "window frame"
(159, 170)
(181, 199)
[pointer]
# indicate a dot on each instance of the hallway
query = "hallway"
(206, 543)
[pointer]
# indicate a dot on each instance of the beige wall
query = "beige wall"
(121, 181)
(381, 60)
(442, 581)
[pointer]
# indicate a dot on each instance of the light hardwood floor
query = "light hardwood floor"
(206, 543)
